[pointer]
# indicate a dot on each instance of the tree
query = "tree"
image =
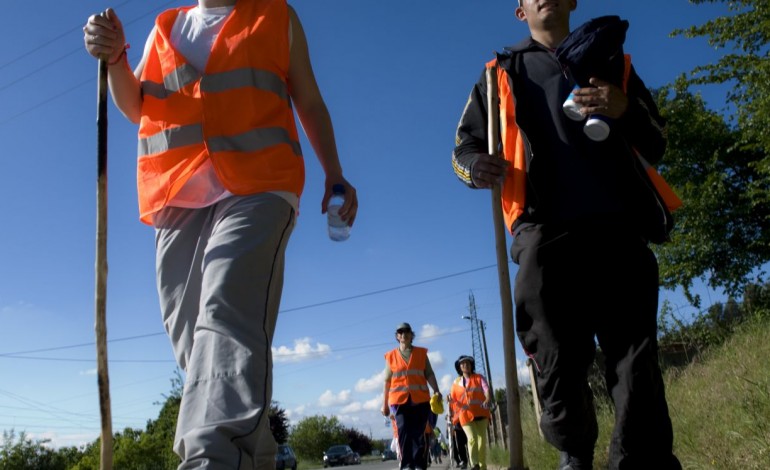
(313, 435)
(22, 453)
(279, 423)
(747, 33)
(722, 232)
(358, 441)
(720, 164)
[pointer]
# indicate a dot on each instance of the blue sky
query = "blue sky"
(395, 76)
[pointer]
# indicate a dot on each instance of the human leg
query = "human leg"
(473, 445)
(461, 443)
(480, 430)
(553, 323)
(643, 434)
(223, 420)
(411, 419)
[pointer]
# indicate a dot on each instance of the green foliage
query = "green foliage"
(22, 453)
(712, 327)
(279, 423)
(721, 171)
(314, 434)
(358, 441)
(746, 34)
(722, 232)
(718, 406)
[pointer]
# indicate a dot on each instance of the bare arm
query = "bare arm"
(104, 37)
(385, 405)
(315, 119)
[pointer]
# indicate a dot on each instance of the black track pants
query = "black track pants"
(575, 286)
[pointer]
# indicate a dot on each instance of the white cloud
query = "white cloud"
(64, 440)
(373, 404)
(328, 398)
(523, 371)
(88, 372)
(296, 414)
(354, 407)
(303, 350)
(436, 359)
(429, 332)
(445, 383)
(373, 383)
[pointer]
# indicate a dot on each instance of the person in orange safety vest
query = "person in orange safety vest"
(220, 173)
(574, 205)
(470, 398)
(405, 394)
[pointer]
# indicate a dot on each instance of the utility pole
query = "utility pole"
(481, 357)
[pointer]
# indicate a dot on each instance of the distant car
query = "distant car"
(339, 455)
(285, 458)
(388, 454)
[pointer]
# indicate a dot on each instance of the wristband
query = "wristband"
(122, 54)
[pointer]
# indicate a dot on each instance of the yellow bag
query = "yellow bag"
(436, 404)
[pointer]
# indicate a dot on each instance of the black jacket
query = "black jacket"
(569, 177)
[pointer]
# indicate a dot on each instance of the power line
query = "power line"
(58, 59)
(381, 291)
(20, 354)
(50, 41)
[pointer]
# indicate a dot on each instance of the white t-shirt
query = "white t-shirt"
(193, 35)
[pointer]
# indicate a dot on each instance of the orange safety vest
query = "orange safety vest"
(513, 191)
(237, 112)
(408, 379)
(469, 399)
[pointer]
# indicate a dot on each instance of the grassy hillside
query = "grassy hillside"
(719, 405)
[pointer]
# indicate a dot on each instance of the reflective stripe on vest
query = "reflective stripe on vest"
(513, 191)
(237, 113)
(408, 379)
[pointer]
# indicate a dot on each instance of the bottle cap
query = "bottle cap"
(596, 129)
(338, 189)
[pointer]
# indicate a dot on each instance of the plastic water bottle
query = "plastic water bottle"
(572, 109)
(339, 230)
(597, 128)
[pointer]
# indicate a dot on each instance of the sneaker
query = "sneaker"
(569, 462)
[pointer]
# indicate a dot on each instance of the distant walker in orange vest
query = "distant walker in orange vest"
(470, 398)
(405, 394)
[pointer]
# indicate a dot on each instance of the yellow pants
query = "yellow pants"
(476, 431)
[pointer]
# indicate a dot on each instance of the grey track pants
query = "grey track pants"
(220, 276)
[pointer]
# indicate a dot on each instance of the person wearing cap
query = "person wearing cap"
(570, 203)
(406, 395)
(470, 395)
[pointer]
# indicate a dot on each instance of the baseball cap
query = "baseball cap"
(404, 327)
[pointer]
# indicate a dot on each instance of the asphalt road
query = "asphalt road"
(387, 465)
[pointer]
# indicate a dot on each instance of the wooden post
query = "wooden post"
(101, 270)
(515, 437)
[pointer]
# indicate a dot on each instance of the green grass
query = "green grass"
(719, 406)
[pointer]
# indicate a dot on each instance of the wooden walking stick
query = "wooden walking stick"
(101, 269)
(515, 439)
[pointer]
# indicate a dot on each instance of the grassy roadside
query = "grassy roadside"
(719, 405)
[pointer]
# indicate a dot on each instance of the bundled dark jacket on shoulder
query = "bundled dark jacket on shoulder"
(570, 178)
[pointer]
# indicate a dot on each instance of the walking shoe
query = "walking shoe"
(570, 462)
